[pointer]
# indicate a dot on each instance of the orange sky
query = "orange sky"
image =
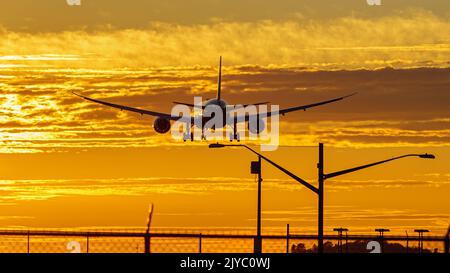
(68, 163)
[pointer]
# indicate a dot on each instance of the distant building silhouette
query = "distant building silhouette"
(357, 247)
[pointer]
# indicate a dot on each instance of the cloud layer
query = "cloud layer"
(394, 108)
(418, 39)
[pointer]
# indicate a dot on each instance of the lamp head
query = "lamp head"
(216, 145)
(421, 230)
(382, 230)
(429, 156)
(340, 229)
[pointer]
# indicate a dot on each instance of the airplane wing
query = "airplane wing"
(136, 110)
(203, 107)
(296, 108)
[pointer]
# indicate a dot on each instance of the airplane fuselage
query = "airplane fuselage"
(209, 112)
(215, 113)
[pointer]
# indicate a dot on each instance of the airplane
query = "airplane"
(162, 123)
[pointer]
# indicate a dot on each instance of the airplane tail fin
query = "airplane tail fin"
(220, 79)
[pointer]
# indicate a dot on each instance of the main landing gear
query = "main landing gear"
(235, 136)
(190, 135)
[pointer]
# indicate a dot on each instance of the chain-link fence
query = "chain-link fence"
(24, 241)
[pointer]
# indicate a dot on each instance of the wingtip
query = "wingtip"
(78, 95)
(350, 95)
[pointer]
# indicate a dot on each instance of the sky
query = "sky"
(67, 163)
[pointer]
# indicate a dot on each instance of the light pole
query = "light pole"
(340, 231)
(258, 241)
(256, 169)
(342, 172)
(381, 232)
(147, 232)
(321, 178)
(421, 232)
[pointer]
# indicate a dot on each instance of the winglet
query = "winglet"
(352, 94)
(77, 95)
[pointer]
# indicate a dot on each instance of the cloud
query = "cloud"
(286, 62)
(395, 107)
(419, 38)
(43, 189)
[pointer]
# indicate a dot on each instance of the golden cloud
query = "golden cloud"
(415, 38)
(292, 61)
(39, 113)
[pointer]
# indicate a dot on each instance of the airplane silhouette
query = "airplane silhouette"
(162, 123)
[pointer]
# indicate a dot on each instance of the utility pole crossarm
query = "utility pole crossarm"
(330, 175)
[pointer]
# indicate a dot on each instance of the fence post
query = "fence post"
(407, 242)
(200, 243)
(447, 244)
(147, 243)
(287, 238)
(28, 241)
(346, 242)
(420, 243)
(447, 241)
(87, 242)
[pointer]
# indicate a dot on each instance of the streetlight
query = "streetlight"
(381, 231)
(256, 168)
(421, 232)
(340, 231)
(330, 175)
(321, 178)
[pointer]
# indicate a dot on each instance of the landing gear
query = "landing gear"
(188, 135)
(235, 135)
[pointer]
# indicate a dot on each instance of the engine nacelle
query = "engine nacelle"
(256, 128)
(161, 125)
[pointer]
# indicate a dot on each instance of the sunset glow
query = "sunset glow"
(66, 162)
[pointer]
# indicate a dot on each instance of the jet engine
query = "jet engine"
(257, 128)
(161, 125)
